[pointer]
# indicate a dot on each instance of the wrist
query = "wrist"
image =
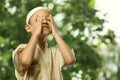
(36, 35)
(55, 33)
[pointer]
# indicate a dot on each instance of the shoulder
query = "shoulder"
(21, 45)
(55, 50)
(19, 48)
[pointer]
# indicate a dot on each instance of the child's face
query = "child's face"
(46, 29)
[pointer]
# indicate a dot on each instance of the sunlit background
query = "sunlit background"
(110, 8)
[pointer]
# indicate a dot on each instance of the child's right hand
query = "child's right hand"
(37, 26)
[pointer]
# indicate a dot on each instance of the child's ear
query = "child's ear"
(28, 28)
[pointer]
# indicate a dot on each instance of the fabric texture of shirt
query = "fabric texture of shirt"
(45, 66)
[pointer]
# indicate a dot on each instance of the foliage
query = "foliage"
(77, 23)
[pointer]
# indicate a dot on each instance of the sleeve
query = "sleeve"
(15, 54)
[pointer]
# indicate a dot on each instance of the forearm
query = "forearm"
(66, 52)
(27, 55)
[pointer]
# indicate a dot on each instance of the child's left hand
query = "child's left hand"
(52, 25)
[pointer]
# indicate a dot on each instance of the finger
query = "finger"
(49, 23)
(50, 17)
(48, 20)
(39, 18)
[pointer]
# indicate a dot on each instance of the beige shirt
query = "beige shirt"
(45, 66)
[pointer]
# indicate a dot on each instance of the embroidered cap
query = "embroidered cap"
(29, 15)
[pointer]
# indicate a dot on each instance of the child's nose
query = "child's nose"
(44, 20)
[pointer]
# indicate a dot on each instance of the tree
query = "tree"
(77, 23)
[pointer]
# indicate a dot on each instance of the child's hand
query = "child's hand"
(37, 26)
(52, 25)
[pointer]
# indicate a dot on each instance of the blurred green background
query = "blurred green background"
(96, 51)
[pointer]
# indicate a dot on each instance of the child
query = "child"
(37, 60)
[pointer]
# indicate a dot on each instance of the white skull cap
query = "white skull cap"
(29, 15)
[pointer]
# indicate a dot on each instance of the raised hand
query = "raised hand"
(52, 25)
(37, 26)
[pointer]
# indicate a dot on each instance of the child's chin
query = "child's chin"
(46, 33)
